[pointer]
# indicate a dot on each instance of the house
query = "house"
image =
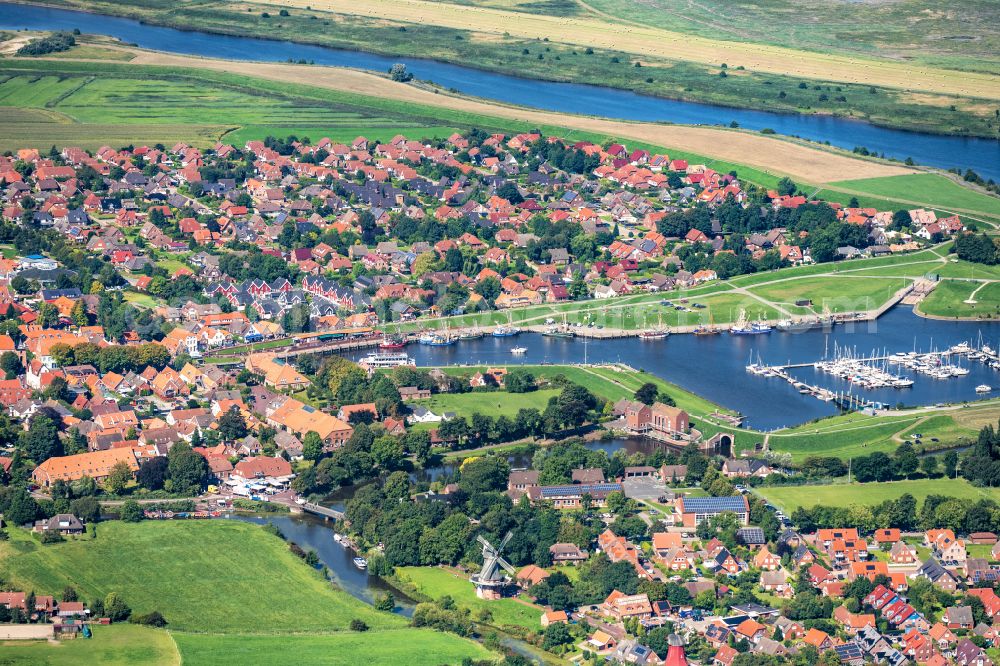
(968, 653)
(621, 606)
(550, 617)
(96, 464)
(902, 553)
(567, 553)
(776, 582)
(274, 470)
(937, 574)
(63, 523)
(958, 617)
(572, 496)
(530, 576)
(766, 561)
(818, 639)
(601, 641)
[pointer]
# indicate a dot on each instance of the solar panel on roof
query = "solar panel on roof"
(849, 651)
(714, 504)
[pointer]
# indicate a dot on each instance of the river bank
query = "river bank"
(935, 150)
(664, 77)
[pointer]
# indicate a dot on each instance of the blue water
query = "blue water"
(714, 366)
(982, 155)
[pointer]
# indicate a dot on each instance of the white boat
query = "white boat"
(984, 388)
(505, 331)
(360, 563)
(386, 360)
(339, 538)
(518, 350)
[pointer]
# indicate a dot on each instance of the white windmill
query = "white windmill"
(491, 581)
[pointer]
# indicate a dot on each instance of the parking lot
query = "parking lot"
(646, 488)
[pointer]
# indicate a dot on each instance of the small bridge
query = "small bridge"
(327, 513)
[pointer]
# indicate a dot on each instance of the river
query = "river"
(982, 155)
(714, 366)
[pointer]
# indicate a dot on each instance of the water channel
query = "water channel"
(982, 155)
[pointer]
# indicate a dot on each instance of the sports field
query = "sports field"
(791, 497)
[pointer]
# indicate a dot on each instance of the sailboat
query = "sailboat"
(707, 330)
(506, 331)
(658, 333)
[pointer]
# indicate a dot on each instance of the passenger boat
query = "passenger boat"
(518, 350)
(360, 563)
(378, 360)
(654, 335)
(984, 388)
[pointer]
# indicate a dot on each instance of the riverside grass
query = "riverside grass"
(585, 46)
(789, 498)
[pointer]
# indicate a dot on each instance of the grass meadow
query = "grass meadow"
(116, 645)
(841, 495)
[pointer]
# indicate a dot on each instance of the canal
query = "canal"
(982, 155)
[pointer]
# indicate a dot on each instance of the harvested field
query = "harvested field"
(771, 154)
(653, 42)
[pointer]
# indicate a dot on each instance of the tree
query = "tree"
(118, 478)
(398, 72)
(41, 441)
(906, 460)
(152, 473)
(10, 363)
(79, 314)
(929, 466)
(488, 288)
(87, 509)
(385, 602)
(556, 634)
(312, 446)
(786, 187)
(22, 509)
(950, 464)
(232, 426)
(115, 608)
(186, 468)
(130, 511)
(647, 393)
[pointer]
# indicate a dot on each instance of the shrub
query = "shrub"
(154, 619)
(358, 625)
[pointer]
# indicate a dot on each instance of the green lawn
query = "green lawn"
(118, 645)
(840, 495)
(413, 647)
(494, 403)
(435, 582)
(215, 576)
(839, 294)
(948, 300)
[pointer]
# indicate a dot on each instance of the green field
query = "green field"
(118, 645)
(234, 568)
(492, 403)
(791, 497)
(932, 190)
(435, 582)
(413, 647)
(838, 294)
(948, 300)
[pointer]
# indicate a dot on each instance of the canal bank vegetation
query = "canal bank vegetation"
(651, 63)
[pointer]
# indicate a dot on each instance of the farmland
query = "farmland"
(170, 552)
(415, 647)
(600, 47)
(841, 495)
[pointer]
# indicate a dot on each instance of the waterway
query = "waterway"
(982, 155)
(714, 366)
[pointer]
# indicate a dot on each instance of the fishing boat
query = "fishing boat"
(437, 340)
(744, 326)
(705, 330)
(505, 331)
(360, 563)
(984, 388)
(518, 350)
(556, 332)
(392, 342)
(470, 334)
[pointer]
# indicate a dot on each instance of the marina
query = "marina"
(708, 364)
